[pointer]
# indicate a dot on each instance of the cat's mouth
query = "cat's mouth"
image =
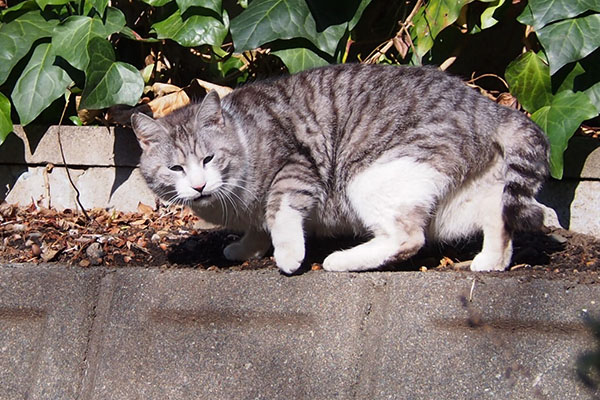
(203, 197)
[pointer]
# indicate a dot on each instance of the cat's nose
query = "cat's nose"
(199, 188)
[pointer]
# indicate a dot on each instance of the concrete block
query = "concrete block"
(82, 145)
(195, 335)
(582, 159)
(575, 204)
(513, 340)
(119, 187)
(45, 318)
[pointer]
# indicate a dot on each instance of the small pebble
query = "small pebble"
(95, 253)
(36, 250)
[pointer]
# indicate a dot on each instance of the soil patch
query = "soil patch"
(175, 238)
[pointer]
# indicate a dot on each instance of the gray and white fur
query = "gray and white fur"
(398, 154)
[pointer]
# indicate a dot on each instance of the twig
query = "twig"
(475, 79)
(62, 154)
(385, 46)
(471, 291)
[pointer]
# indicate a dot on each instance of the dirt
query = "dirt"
(175, 238)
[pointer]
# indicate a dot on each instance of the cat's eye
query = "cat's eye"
(176, 168)
(207, 159)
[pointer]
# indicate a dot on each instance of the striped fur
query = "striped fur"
(285, 155)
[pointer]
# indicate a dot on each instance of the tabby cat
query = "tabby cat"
(398, 154)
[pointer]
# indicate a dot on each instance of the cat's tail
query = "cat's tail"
(526, 157)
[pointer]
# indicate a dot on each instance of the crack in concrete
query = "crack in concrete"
(99, 318)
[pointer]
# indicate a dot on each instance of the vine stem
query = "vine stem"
(62, 154)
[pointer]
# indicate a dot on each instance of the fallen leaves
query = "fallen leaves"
(36, 234)
(174, 237)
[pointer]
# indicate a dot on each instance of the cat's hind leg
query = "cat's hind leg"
(496, 252)
(473, 207)
(392, 200)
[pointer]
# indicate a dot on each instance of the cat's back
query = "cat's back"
(344, 117)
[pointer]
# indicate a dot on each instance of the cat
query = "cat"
(400, 154)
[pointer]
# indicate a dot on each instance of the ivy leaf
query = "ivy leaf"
(299, 59)
(560, 119)
(39, 85)
(487, 16)
(17, 36)
(156, 3)
(194, 30)
(570, 40)
(99, 5)
(594, 95)
(6, 125)
(268, 20)
(72, 37)
(108, 82)
(539, 13)
(529, 80)
(214, 5)
(12, 13)
(43, 3)
(431, 20)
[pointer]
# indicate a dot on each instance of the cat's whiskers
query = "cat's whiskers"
(245, 189)
(223, 206)
(227, 195)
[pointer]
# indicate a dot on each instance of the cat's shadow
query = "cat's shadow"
(205, 250)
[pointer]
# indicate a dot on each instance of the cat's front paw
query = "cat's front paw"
(289, 257)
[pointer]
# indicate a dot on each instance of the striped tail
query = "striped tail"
(526, 155)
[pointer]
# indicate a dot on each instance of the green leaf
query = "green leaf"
(560, 119)
(193, 31)
(299, 59)
(39, 85)
(17, 36)
(539, 13)
(593, 93)
(214, 5)
(6, 125)
(19, 9)
(487, 16)
(43, 3)
(107, 82)
(156, 3)
(268, 20)
(528, 78)
(72, 37)
(431, 20)
(98, 5)
(570, 40)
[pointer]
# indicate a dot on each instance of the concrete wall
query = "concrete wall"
(103, 165)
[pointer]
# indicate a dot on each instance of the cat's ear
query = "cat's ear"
(211, 108)
(147, 129)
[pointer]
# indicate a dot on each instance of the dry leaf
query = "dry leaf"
(164, 105)
(145, 209)
(222, 91)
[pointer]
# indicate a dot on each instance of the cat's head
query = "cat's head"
(190, 156)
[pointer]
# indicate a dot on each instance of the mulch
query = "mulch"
(175, 238)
